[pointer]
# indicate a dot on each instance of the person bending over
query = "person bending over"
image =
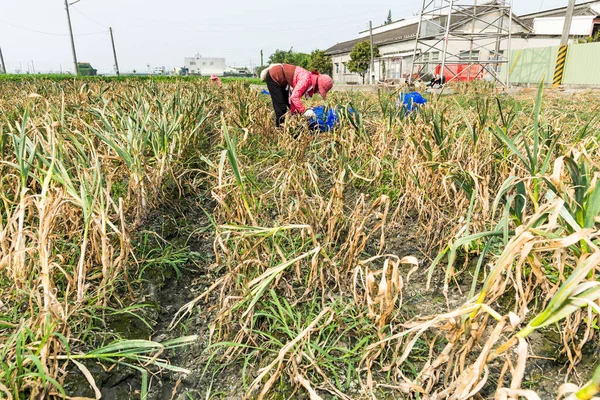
(287, 85)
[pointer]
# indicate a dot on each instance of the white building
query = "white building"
(396, 41)
(237, 70)
(199, 65)
(159, 70)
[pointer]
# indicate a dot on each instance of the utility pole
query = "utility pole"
(471, 41)
(372, 61)
(261, 59)
(72, 40)
(112, 39)
(561, 60)
(2, 62)
(564, 40)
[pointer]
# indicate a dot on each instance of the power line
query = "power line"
(302, 25)
(88, 17)
(541, 5)
(47, 33)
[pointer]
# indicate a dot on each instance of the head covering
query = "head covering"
(324, 84)
(314, 76)
(215, 79)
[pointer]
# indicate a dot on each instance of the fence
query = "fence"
(534, 65)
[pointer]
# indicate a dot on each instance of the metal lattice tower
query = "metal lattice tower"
(464, 38)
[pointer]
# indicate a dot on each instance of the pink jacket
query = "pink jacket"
(299, 79)
(302, 86)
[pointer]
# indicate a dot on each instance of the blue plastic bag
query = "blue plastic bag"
(411, 101)
(326, 118)
(264, 91)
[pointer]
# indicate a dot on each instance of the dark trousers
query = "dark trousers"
(281, 99)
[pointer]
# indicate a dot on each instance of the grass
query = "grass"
(483, 207)
(66, 241)
(123, 78)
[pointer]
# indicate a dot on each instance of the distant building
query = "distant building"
(199, 65)
(180, 71)
(235, 70)
(85, 69)
(159, 70)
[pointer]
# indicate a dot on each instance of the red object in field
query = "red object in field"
(461, 72)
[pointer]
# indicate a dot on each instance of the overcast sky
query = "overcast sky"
(155, 33)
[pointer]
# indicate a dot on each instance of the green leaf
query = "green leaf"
(592, 207)
(499, 133)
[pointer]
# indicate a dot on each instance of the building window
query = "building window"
(435, 56)
(192, 62)
(499, 56)
(425, 60)
(337, 68)
(469, 55)
(212, 63)
(204, 63)
(345, 68)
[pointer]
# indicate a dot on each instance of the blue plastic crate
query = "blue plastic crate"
(326, 118)
(411, 101)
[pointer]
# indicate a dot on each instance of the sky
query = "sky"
(34, 33)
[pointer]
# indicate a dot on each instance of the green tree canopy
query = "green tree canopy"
(289, 57)
(360, 58)
(320, 62)
(259, 69)
(389, 18)
(301, 60)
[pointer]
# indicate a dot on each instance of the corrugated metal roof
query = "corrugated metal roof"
(409, 32)
(393, 36)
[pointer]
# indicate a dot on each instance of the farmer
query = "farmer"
(215, 80)
(288, 83)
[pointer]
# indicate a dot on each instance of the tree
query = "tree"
(360, 58)
(389, 18)
(289, 57)
(301, 59)
(279, 56)
(259, 69)
(320, 62)
(592, 39)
